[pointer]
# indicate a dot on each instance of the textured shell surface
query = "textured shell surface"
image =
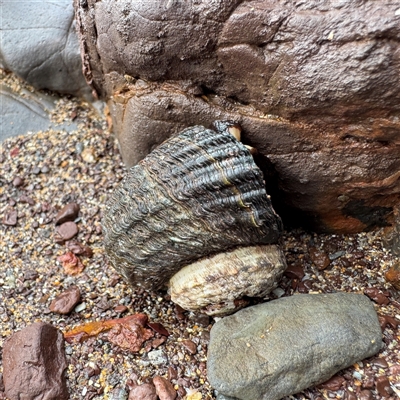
(214, 284)
(198, 193)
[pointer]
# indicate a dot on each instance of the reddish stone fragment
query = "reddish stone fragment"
(68, 213)
(157, 327)
(380, 362)
(376, 295)
(172, 373)
(366, 395)
(146, 391)
(26, 199)
(34, 364)
(386, 320)
(65, 232)
(349, 396)
(190, 346)
(164, 388)
(18, 181)
(294, 272)
(157, 342)
(383, 386)
(393, 276)
(66, 301)
(79, 249)
(319, 258)
(71, 263)
(335, 383)
(129, 335)
(10, 218)
(120, 309)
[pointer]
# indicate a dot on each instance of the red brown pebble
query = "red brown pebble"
(376, 295)
(10, 218)
(18, 181)
(349, 396)
(294, 272)
(34, 364)
(319, 258)
(68, 213)
(380, 363)
(66, 301)
(383, 386)
(393, 276)
(368, 382)
(146, 391)
(66, 231)
(120, 309)
(333, 384)
(79, 249)
(366, 395)
(190, 346)
(164, 388)
(386, 320)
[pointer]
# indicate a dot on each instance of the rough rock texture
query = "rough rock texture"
(262, 352)
(39, 43)
(314, 85)
(34, 363)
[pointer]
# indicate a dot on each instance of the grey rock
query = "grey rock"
(39, 43)
(24, 111)
(284, 346)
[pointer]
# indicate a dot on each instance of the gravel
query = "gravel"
(44, 172)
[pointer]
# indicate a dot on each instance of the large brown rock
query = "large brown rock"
(315, 86)
(34, 364)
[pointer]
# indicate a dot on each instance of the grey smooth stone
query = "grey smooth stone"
(25, 112)
(39, 43)
(284, 346)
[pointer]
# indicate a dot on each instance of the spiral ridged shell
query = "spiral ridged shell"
(198, 193)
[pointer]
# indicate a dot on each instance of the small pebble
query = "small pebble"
(164, 388)
(66, 231)
(366, 395)
(383, 386)
(18, 181)
(66, 301)
(319, 258)
(120, 309)
(190, 346)
(10, 218)
(68, 213)
(380, 363)
(146, 391)
(294, 272)
(376, 295)
(335, 383)
(393, 276)
(80, 307)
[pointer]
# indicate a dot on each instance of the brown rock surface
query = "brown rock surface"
(34, 364)
(314, 85)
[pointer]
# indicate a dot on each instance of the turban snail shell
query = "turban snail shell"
(194, 215)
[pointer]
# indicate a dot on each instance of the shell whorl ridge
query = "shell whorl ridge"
(198, 193)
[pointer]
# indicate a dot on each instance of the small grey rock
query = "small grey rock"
(284, 346)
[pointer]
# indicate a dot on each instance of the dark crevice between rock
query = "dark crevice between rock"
(370, 216)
